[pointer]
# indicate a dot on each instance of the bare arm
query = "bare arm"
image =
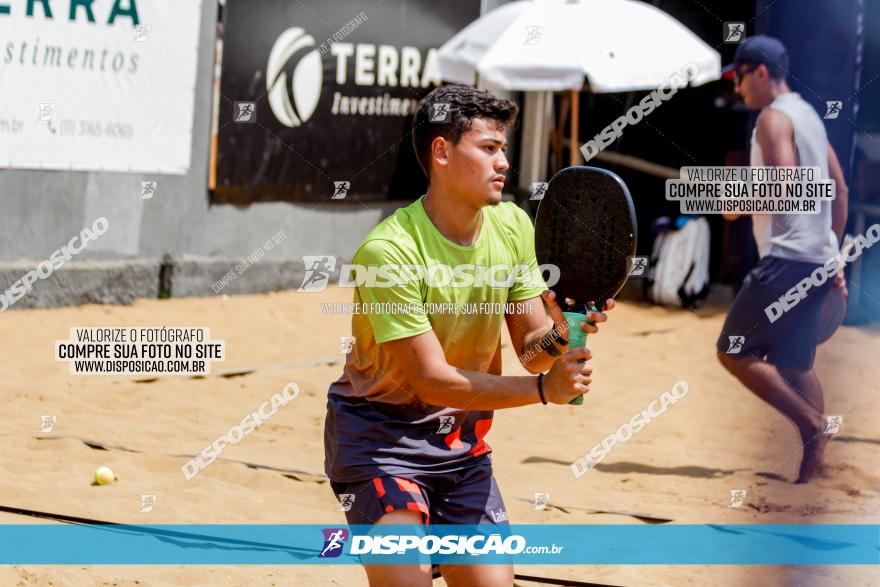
(775, 135)
(430, 378)
(840, 205)
(531, 334)
(530, 329)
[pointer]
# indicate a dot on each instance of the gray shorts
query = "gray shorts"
(790, 340)
(429, 459)
(468, 496)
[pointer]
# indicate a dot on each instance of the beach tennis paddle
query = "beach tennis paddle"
(831, 314)
(585, 226)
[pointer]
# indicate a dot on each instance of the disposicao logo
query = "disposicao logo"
(334, 542)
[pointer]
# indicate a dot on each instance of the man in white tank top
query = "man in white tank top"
(772, 354)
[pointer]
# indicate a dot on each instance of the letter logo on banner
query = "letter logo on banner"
(294, 101)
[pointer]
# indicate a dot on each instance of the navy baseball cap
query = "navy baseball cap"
(758, 50)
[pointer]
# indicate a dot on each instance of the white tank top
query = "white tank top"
(798, 237)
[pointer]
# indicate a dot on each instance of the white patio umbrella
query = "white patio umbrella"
(554, 45)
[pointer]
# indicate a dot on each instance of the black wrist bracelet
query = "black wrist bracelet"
(558, 337)
(541, 388)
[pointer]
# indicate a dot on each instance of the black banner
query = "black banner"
(316, 102)
(825, 42)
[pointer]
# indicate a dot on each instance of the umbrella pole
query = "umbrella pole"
(574, 152)
(535, 140)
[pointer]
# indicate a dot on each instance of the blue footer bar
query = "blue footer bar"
(521, 544)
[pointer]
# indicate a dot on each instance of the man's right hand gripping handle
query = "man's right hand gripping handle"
(568, 378)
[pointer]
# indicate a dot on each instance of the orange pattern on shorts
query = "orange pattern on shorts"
(480, 429)
(419, 507)
(407, 485)
(379, 489)
(453, 439)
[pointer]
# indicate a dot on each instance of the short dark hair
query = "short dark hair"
(464, 105)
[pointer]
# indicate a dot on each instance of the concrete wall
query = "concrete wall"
(42, 210)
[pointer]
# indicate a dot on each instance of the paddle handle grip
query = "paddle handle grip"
(577, 338)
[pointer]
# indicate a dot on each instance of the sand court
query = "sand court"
(681, 466)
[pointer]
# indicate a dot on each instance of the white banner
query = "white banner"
(102, 85)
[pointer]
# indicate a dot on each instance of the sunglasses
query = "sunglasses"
(739, 74)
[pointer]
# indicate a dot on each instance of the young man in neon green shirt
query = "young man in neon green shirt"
(406, 421)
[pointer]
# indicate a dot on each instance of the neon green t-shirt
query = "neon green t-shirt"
(461, 293)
